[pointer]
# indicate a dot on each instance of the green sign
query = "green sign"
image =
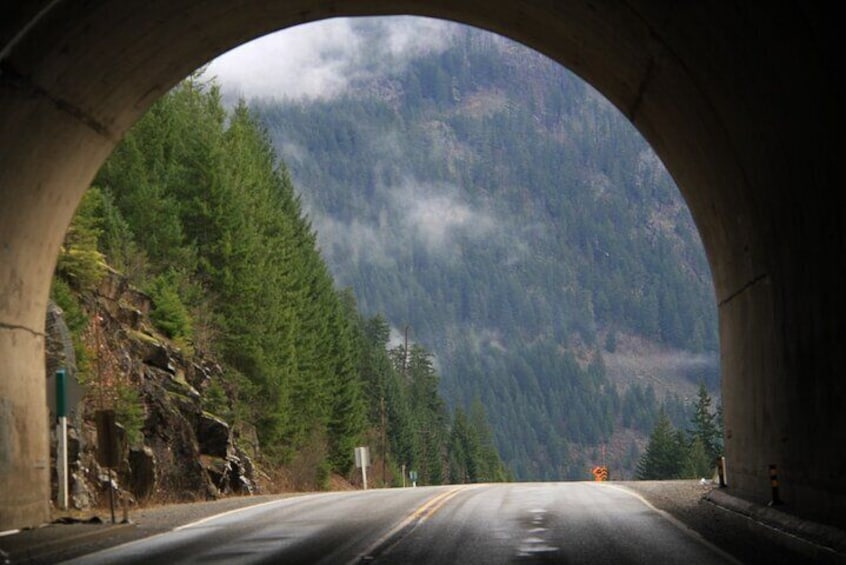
(61, 394)
(64, 393)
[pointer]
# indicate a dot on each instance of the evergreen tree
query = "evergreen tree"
(347, 420)
(698, 464)
(429, 415)
(705, 427)
(666, 453)
(489, 465)
(80, 262)
(464, 451)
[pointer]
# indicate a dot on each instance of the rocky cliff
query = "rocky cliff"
(170, 447)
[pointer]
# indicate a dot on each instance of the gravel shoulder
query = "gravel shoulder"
(752, 534)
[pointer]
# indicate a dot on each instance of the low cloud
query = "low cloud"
(433, 217)
(425, 215)
(438, 215)
(354, 242)
(320, 59)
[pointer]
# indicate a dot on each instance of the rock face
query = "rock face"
(59, 345)
(171, 448)
(142, 465)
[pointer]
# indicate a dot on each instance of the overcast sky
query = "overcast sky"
(318, 59)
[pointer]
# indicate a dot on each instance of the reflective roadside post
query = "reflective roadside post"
(776, 500)
(721, 471)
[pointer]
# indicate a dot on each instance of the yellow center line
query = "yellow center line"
(433, 505)
(417, 517)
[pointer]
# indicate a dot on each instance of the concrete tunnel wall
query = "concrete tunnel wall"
(742, 104)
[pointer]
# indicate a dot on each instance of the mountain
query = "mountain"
(511, 220)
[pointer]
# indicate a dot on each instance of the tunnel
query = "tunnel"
(741, 101)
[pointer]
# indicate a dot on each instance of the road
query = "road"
(498, 523)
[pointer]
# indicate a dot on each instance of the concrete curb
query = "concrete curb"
(804, 532)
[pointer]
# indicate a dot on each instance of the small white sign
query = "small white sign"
(362, 457)
(362, 461)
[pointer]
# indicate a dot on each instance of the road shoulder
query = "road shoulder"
(750, 532)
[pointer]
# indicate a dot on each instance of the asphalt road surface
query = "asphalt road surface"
(474, 524)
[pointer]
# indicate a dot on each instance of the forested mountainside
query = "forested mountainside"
(506, 214)
(196, 299)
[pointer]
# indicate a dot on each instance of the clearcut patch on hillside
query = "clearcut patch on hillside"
(673, 371)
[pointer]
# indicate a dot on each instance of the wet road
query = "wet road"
(484, 524)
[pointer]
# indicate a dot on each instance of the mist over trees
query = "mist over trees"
(497, 205)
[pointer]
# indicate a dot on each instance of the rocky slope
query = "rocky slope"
(170, 447)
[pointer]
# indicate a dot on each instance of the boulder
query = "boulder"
(246, 438)
(82, 496)
(214, 436)
(158, 356)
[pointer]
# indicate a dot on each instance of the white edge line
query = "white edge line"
(677, 523)
(292, 496)
(9, 533)
(227, 513)
(129, 544)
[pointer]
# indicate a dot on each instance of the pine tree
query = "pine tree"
(666, 454)
(463, 451)
(705, 426)
(429, 415)
(80, 262)
(490, 466)
(348, 410)
(698, 464)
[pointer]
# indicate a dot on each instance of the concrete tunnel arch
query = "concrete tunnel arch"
(741, 102)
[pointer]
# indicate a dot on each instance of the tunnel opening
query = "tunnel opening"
(163, 181)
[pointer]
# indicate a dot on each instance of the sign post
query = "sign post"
(362, 459)
(108, 449)
(64, 394)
